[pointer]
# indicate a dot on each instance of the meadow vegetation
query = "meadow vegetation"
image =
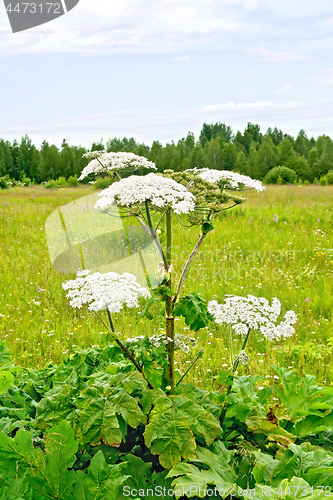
(279, 243)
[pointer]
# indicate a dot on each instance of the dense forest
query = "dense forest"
(251, 152)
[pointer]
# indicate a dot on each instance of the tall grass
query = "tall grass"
(279, 243)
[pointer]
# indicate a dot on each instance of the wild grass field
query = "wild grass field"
(279, 243)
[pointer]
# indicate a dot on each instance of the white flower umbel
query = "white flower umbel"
(243, 358)
(101, 291)
(111, 162)
(231, 179)
(162, 192)
(246, 313)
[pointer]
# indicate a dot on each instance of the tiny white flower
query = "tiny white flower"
(243, 358)
(101, 291)
(109, 162)
(244, 313)
(232, 180)
(161, 191)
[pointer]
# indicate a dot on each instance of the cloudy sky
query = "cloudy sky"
(155, 69)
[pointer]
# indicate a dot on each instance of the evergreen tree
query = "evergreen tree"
(6, 159)
(251, 135)
(156, 152)
(320, 144)
(276, 135)
(302, 144)
(241, 164)
(230, 155)
(36, 167)
(267, 158)
(214, 130)
(97, 146)
(313, 156)
(14, 170)
(214, 154)
(26, 151)
(50, 165)
(285, 151)
(197, 159)
(300, 166)
(67, 160)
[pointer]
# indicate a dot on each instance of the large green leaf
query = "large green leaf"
(103, 411)
(313, 424)
(52, 479)
(194, 310)
(264, 468)
(138, 472)
(298, 460)
(169, 433)
(6, 380)
(18, 489)
(142, 482)
(46, 472)
(57, 404)
(302, 396)
(190, 480)
(173, 424)
(272, 431)
(295, 488)
(101, 482)
(204, 424)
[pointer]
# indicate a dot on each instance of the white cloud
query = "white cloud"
(147, 125)
(327, 77)
(285, 89)
(298, 8)
(181, 58)
(272, 56)
(108, 26)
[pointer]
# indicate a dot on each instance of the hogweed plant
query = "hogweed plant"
(249, 314)
(94, 424)
(193, 197)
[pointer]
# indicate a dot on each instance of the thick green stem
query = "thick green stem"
(154, 234)
(170, 320)
(236, 363)
(124, 348)
(187, 265)
(234, 368)
(168, 237)
(231, 348)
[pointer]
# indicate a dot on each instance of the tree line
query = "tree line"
(251, 152)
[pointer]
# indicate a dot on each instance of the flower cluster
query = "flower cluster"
(232, 180)
(110, 162)
(161, 192)
(181, 342)
(243, 358)
(246, 313)
(101, 291)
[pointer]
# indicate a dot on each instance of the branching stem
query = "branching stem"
(124, 348)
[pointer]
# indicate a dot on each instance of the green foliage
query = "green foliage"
(280, 175)
(209, 468)
(91, 429)
(173, 424)
(217, 147)
(194, 309)
(327, 179)
(103, 182)
(73, 181)
(3, 183)
(51, 184)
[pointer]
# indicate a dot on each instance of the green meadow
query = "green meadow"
(277, 244)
